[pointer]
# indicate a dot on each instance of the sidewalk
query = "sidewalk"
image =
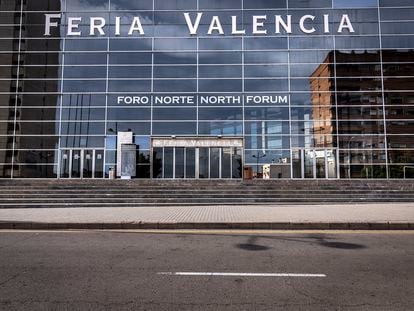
(382, 216)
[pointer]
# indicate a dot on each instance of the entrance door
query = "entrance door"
(215, 162)
(82, 163)
(314, 163)
(65, 164)
(98, 169)
(179, 162)
(320, 165)
(76, 161)
(197, 163)
(190, 163)
(203, 162)
(87, 167)
(309, 164)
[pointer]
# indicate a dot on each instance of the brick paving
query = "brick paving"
(341, 213)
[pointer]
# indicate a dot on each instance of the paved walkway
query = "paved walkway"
(345, 216)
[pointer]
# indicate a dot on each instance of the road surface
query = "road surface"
(127, 270)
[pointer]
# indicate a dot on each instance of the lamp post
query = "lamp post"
(257, 156)
(111, 130)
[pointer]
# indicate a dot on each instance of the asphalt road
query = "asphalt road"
(122, 271)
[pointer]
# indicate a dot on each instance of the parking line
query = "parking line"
(303, 275)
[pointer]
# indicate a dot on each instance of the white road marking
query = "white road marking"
(303, 275)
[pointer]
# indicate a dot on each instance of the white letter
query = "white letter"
(193, 27)
(72, 26)
(215, 25)
(326, 23)
(346, 23)
(302, 24)
(234, 30)
(98, 26)
(287, 26)
(49, 24)
(117, 26)
(257, 24)
(120, 99)
(136, 26)
(283, 99)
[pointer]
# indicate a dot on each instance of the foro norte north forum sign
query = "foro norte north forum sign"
(202, 99)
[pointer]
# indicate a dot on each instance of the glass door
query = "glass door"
(203, 162)
(87, 164)
(237, 163)
(168, 162)
(320, 168)
(309, 164)
(331, 166)
(190, 163)
(157, 163)
(65, 164)
(179, 163)
(297, 158)
(226, 162)
(314, 163)
(215, 159)
(82, 163)
(197, 162)
(98, 168)
(76, 161)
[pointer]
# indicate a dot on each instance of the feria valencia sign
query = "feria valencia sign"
(259, 23)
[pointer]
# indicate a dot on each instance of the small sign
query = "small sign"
(128, 160)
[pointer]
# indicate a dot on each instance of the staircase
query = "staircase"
(114, 193)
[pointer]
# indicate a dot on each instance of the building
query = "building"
(207, 89)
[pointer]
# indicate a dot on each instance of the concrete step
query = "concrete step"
(72, 193)
(160, 204)
(119, 183)
(195, 191)
(154, 191)
(179, 199)
(104, 196)
(212, 188)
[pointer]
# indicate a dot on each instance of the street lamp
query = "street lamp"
(258, 156)
(111, 130)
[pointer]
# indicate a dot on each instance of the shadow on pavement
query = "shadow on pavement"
(321, 240)
(342, 245)
(252, 246)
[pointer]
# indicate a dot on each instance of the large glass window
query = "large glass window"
(336, 86)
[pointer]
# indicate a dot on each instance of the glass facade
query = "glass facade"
(311, 88)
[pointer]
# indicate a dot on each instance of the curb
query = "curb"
(208, 226)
